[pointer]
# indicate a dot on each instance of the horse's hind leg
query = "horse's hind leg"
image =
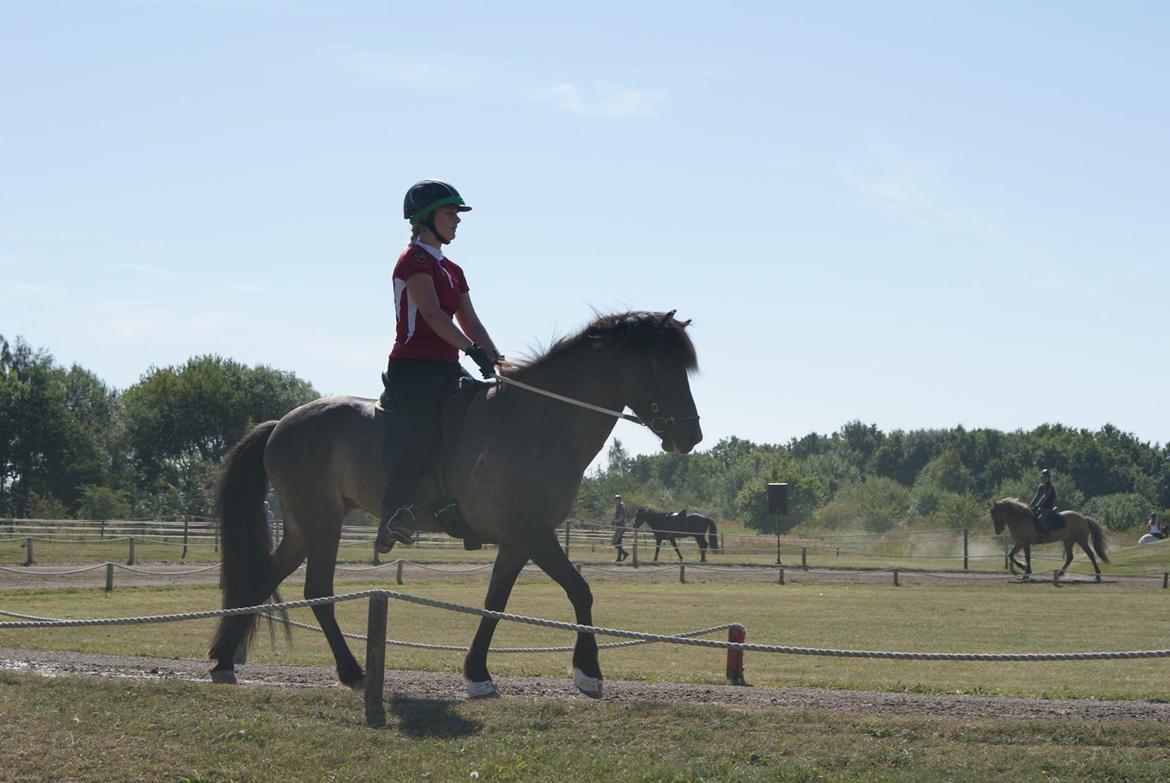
(674, 543)
(702, 549)
(508, 565)
(657, 547)
(1068, 545)
(547, 554)
(1092, 559)
(322, 547)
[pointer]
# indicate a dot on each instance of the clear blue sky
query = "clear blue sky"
(913, 214)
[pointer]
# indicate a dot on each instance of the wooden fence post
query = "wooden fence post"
(28, 552)
(737, 634)
(186, 522)
(780, 576)
(109, 577)
(398, 573)
(1165, 579)
(804, 557)
(130, 561)
(376, 561)
(376, 661)
(964, 549)
(682, 573)
(636, 532)
(895, 577)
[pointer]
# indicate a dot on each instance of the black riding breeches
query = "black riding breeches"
(413, 399)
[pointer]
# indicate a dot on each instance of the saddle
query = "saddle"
(443, 507)
(1047, 522)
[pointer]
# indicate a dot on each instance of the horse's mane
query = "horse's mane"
(637, 331)
(1013, 503)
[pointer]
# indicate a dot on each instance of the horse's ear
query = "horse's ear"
(666, 318)
(685, 324)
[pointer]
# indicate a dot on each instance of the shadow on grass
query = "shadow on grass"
(432, 718)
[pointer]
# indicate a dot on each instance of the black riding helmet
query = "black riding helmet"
(425, 197)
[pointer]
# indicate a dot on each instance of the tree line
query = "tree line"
(70, 445)
(861, 478)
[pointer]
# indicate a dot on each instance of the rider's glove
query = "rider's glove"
(479, 355)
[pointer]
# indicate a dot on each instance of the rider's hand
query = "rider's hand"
(479, 355)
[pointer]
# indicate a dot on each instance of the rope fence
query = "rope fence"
(735, 646)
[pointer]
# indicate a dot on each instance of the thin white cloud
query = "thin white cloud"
(911, 187)
(602, 101)
(413, 71)
(404, 69)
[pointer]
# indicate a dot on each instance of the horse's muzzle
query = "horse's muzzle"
(683, 436)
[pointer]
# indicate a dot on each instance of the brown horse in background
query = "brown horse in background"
(514, 467)
(1078, 529)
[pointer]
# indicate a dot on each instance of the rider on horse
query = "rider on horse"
(1044, 504)
(429, 290)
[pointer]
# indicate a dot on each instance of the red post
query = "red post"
(737, 634)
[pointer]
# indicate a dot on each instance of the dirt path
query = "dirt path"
(449, 686)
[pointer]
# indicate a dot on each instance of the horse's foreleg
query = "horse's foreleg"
(674, 543)
(547, 553)
(1012, 562)
(1028, 559)
(509, 564)
(319, 584)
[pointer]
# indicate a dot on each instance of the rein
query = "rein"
(657, 424)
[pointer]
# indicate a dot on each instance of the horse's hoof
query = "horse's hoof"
(1098, 579)
(224, 677)
(482, 690)
(358, 685)
(590, 686)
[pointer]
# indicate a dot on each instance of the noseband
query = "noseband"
(659, 424)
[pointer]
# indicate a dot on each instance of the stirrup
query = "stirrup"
(399, 528)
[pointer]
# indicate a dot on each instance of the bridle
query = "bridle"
(658, 423)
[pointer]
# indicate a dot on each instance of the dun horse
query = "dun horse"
(514, 468)
(1078, 529)
(667, 527)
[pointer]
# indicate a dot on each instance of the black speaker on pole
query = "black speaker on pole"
(777, 498)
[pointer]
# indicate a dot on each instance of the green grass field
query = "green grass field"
(91, 730)
(943, 617)
(86, 729)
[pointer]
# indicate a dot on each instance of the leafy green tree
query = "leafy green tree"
(876, 504)
(180, 418)
(1120, 511)
(99, 502)
(52, 429)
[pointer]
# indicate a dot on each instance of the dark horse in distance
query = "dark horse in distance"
(1078, 529)
(514, 467)
(667, 527)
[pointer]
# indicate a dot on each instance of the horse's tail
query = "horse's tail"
(712, 535)
(245, 538)
(1097, 533)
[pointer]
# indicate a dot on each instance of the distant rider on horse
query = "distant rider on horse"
(1044, 504)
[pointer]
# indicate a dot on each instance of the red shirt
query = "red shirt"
(414, 338)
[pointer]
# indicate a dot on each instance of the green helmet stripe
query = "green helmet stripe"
(443, 202)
